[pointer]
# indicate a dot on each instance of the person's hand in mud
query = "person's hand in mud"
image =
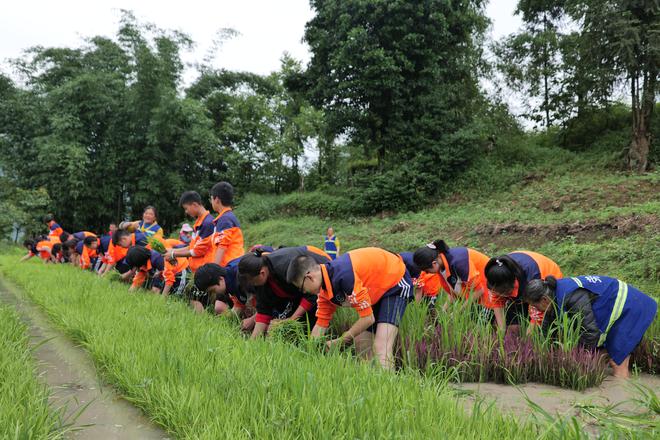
(248, 323)
(332, 343)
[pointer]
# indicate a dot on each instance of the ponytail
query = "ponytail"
(425, 256)
(502, 272)
(537, 289)
(251, 264)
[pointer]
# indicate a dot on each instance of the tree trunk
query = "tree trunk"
(642, 111)
(546, 88)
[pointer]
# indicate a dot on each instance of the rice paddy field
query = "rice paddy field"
(196, 376)
(24, 408)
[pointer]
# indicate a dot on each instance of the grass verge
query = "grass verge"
(24, 409)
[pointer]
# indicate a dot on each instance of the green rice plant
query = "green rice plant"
(648, 398)
(192, 374)
(460, 339)
(342, 320)
(291, 331)
(231, 319)
(113, 276)
(156, 245)
(24, 409)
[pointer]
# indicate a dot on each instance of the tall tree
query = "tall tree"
(531, 60)
(103, 129)
(623, 36)
(391, 77)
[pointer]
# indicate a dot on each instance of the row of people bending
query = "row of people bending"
(303, 283)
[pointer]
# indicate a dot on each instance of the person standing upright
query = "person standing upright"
(332, 245)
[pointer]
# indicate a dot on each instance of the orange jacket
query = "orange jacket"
(45, 247)
(201, 243)
(534, 266)
(359, 278)
(228, 235)
(158, 263)
(86, 257)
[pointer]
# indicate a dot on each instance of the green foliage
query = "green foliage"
(101, 127)
(254, 207)
(157, 245)
(24, 410)
(390, 76)
(530, 61)
(21, 209)
(293, 332)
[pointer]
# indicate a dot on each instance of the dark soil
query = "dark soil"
(510, 234)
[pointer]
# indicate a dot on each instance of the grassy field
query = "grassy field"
(24, 410)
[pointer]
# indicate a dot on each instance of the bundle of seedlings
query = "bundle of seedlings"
(157, 245)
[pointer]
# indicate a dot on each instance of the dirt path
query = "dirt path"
(560, 400)
(73, 381)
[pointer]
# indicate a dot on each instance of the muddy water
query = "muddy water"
(74, 384)
(557, 400)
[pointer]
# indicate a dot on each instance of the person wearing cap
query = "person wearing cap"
(185, 234)
(220, 285)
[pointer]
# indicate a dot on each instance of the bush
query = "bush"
(390, 191)
(586, 130)
(260, 207)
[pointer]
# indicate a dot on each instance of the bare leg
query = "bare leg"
(384, 344)
(221, 307)
(621, 370)
(197, 306)
(363, 345)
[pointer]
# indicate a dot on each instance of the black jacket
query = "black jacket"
(578, 302)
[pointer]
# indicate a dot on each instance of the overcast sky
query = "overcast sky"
(267, 27)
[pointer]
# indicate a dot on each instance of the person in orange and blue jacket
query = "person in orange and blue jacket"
(88, 252)
(613, 314)
(221, 285)
(78, 236)
(153, 272)
(331, 244)
(227, 235)
(265, 272)
(122, 240)
(461, 271)
(104, 246)
(41, 246)
(200, 249)
(507, 277)
(427, 285)
(54, 230)
(148, 225)
(373, 281)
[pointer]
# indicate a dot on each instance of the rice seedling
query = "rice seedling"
(196, 377)
(24, 410)
(293, 332)
(458, 339)
(156, 245)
